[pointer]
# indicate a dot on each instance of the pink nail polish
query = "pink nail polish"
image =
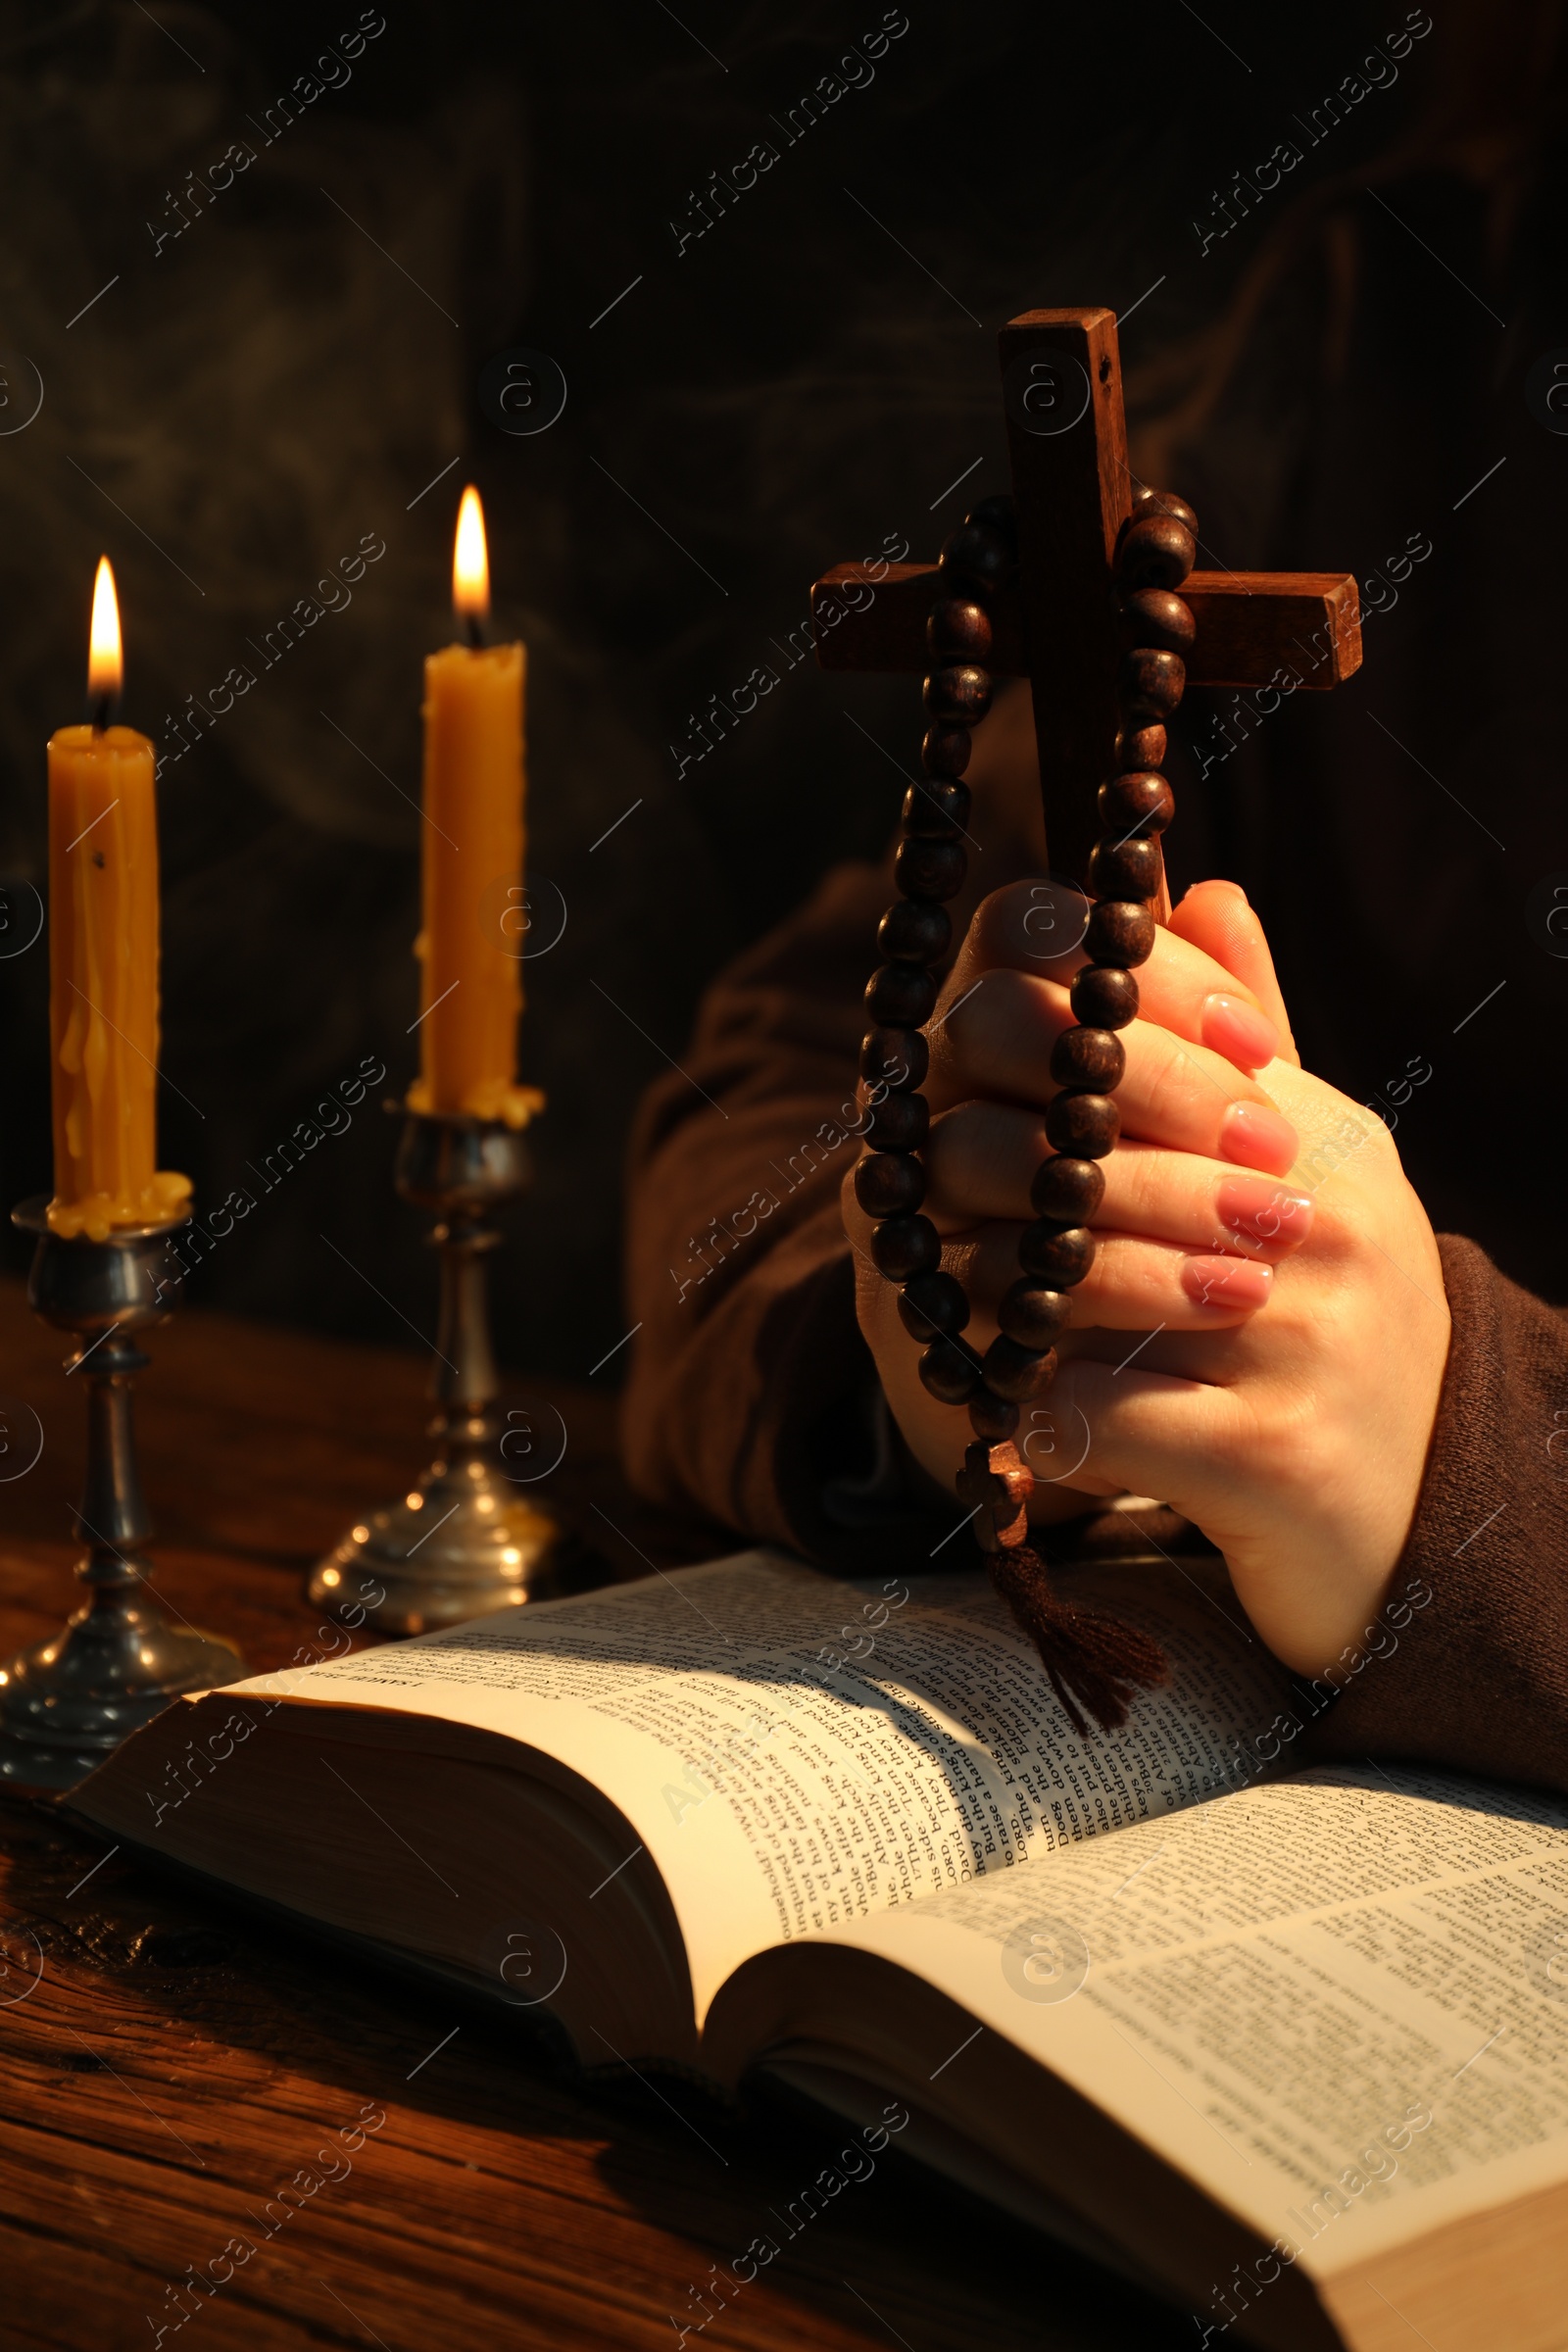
(1258, 1138)
(1239, 1031)
(1227, 1282)
(1260, 1211)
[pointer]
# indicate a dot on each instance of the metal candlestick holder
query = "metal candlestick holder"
(118, 1662)
(462, 1542)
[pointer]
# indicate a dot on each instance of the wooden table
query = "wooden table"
(166, 2063)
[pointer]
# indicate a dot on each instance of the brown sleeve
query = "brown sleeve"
(751, 1387)
(1468, 1662)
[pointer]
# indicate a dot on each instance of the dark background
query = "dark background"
(231, 414)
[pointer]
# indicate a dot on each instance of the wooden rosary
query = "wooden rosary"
(1093, 1661)
(1071, 582)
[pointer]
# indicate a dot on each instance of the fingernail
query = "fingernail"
(1239, 1031)
(1263, 1212)
(1227, 1282)
(1257, 1137)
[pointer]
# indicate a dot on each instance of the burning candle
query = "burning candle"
(475, 913)
(102, 959)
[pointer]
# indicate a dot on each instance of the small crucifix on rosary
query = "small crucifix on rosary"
(1071, 582)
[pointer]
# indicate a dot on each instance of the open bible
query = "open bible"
(1290, 2047)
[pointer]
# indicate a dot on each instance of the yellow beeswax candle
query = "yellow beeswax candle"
(103, 962)
(474, 917)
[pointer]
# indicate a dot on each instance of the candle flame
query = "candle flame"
(470, 562)
(104, 662)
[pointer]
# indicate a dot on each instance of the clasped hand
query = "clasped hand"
(1260, 1340)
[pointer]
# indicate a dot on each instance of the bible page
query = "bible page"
(794, 1751)
(1339, 2002)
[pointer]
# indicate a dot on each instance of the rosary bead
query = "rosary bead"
(899, 1123)
(1104, 997)
(1165, 502)
(916, 932)
(1091, 1059)
(1017, 1373)
(1068, 1190)
(998, 514)
(1140, 746)
(931, 1305)
(1154, 617)
(1155, 551)
(977, 556)
(889, 1184)
(950, 1372)
(906, 1245)
(945, 751)
(958, 696)
(1084, 1125)
(1150, 685)
(930, 869)
(894, 1057)
(1032, 1313)
(992, 1417)
(957, 631)
(1137, 802)
(902, 995)
(937, 810)
(1119, 932)
(1055, 1256)
(1125, 869)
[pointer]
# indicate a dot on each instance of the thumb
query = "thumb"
(1217, 917)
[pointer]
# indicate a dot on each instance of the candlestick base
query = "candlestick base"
(463, 1540)
(459, 1544)
(67, 1702)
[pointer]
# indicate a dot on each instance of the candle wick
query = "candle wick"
(102, 712)
(473, 629)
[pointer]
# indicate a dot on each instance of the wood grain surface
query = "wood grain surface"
(167, 2063)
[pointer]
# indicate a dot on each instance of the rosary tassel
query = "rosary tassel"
(1093, 1663)
(1086, 1656)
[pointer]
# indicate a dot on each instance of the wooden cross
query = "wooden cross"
(1067, 434)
